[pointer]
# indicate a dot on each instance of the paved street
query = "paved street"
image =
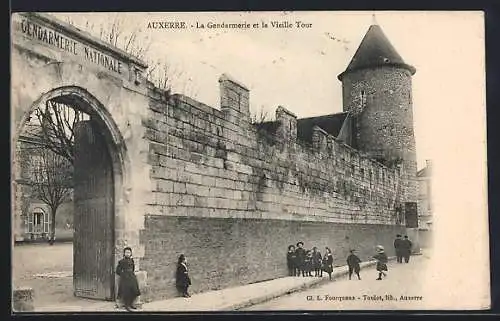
(47, 269)
(344, 294)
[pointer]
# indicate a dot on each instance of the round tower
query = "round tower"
(377, 92)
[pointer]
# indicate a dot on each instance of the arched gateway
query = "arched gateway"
(54, 62)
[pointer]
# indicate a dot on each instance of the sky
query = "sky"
(297, 68)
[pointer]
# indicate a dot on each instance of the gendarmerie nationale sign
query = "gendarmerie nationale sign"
(56, 39)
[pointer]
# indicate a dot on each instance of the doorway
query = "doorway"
(75, 127)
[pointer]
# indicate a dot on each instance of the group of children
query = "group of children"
(303, 262)
(300, 262)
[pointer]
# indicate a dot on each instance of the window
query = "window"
(37, 218)
(36, 163)
(239, 101)
(38, 222)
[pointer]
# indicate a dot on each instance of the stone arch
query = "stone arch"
(113, 138)
(112, 134)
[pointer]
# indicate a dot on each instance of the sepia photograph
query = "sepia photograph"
(248, 161)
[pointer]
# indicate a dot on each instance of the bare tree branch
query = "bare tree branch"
(260, 116)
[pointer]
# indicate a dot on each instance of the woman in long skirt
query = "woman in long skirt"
(128, 288)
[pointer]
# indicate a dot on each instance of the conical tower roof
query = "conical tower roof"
(375, 50)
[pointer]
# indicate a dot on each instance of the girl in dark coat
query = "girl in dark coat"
(316, 262)
(328, 262)
(382, 260)
(182, 280)
(291, 261)
(128, 288)
(353, 264)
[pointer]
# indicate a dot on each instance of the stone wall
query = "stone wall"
(224, 252)
(213, 167)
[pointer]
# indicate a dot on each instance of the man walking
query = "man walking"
(406, 246)
(398, 247)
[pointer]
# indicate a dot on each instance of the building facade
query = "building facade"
(32, 217)
(166, 174)
(424, 177)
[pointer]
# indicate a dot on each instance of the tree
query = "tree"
(54, 128)
(259, 117)
(137, 42)
(51, 181)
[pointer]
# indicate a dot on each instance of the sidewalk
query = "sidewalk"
(228, 299)
(240, 297)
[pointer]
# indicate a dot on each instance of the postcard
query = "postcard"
(249, 161)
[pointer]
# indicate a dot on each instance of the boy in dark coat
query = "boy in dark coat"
(128, 288)
(301, 258)
(182, 279)
(316, 262)
(291, 261)
(353, 264)
(382, 260)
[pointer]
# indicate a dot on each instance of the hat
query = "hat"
(352, 250)
(399, 235)
(380, 248)
(290, 246)
(406, 236)
(301, 243)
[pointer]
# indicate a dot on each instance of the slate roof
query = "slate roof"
(329, 123)
(269, 126)
(376, 50)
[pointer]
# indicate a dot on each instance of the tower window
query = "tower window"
(363, 98)
(239, 101)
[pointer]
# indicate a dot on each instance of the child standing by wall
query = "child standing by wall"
(291, 261)
(316, 262)
(128, 288)
(182, 279)
(328, 262)
(308, 263)
(353, 264)
(382, 260)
